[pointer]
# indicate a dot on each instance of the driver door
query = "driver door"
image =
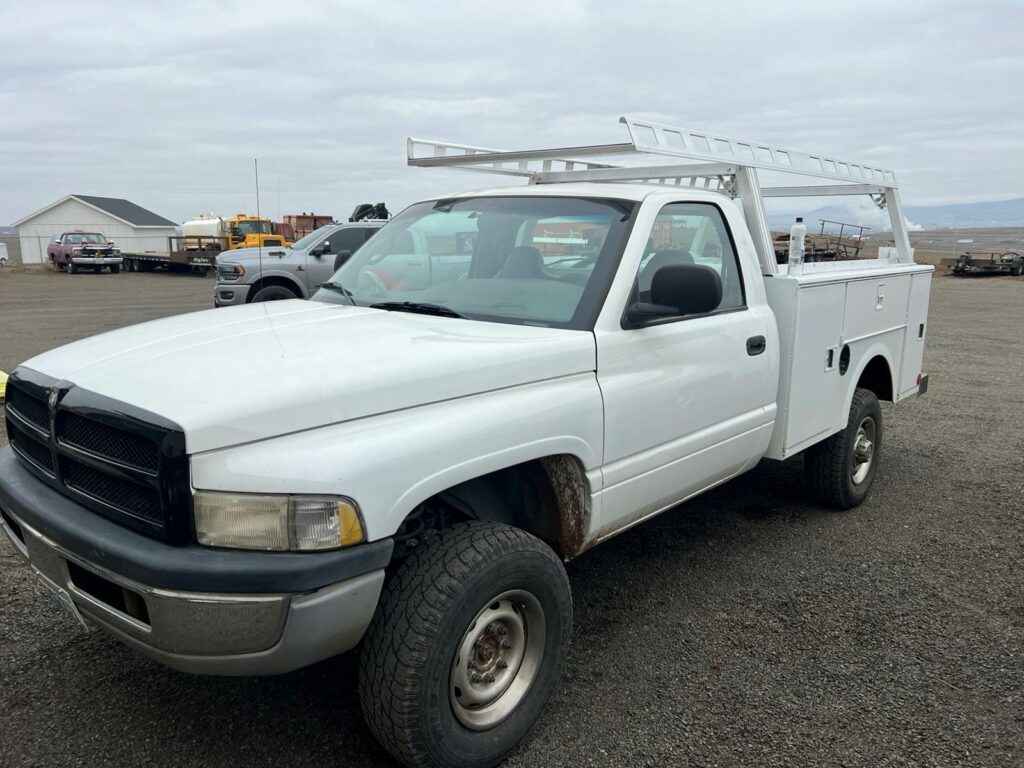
(684, 396)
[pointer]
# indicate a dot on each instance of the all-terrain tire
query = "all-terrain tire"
(274, 293)
(832, 466)
(431, 606)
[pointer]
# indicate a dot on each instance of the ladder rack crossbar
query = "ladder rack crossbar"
(526, 163)
(638, 173)
(824, 191)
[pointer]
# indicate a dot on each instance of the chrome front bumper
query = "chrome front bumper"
(103, 261)
(230, 294)
(205, 633)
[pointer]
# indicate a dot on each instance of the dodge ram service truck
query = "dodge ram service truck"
(494, 383)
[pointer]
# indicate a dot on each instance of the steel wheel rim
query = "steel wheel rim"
(863, 457)
(497, 660)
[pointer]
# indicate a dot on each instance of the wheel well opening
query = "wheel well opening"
(265, 282)
(878, 378)
(547, 497)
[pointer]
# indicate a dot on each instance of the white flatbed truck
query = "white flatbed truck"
(494, 383)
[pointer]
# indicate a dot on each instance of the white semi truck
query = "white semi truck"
(494, 383)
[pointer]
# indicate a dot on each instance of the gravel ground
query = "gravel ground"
(747, 628)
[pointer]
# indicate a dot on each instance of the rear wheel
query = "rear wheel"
(841, 469)
(466, 647)
(274, 293)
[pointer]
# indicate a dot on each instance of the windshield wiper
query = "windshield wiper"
(418, 308)
(337, 288)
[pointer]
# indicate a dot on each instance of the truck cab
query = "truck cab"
(252, 231)
(249, 275)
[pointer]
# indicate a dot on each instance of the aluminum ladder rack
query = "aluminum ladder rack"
(723, 164)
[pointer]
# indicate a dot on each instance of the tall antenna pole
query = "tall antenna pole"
(259, 223)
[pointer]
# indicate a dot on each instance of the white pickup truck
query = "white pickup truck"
(493, 384)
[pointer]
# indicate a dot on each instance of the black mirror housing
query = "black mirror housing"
(678, 290)
(693, 289)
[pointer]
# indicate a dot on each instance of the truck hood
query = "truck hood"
(239, 374)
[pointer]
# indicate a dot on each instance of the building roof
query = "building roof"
(125, 210)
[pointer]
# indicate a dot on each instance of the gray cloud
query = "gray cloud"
(167, 104)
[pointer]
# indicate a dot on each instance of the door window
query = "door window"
(692, 233)
(348, 239)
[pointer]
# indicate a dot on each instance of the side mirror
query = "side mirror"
(341, 258)
(320, 250)
(679, 290)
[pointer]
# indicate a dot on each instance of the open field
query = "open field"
(747, 628)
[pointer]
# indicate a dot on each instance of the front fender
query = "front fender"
(392, 462)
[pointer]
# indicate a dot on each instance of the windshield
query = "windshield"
(88, 237)
(253, 227)
(530, 260)
(312, 237)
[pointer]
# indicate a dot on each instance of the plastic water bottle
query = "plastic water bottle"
(797, 246)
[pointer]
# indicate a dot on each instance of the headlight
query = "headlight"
(230, 271)
(76, 250)
(277, 522)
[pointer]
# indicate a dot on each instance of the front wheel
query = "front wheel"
(115, 268)
(466, 647)
(72, 268)
(841, 469)
(274, 293)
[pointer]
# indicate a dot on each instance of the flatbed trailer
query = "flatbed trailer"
(198, 256)
(993, 263)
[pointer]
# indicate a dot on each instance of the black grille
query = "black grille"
(108, 442)
(29, 408)
(130, 497)
(28, 445)
(118, 460)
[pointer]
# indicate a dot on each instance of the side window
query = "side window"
(691, 233)
(348, 239)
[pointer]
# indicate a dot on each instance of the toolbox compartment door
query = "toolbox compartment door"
(916, 331)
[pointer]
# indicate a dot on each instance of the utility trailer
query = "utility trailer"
(992, 263)
(828, 244)
(197, 255)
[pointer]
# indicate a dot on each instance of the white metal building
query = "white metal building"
(131, 227)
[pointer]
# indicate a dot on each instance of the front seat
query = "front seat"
(659, 260)
(524, 262)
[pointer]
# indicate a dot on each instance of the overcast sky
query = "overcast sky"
(166, 104)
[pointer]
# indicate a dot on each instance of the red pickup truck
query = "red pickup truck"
(74, 251)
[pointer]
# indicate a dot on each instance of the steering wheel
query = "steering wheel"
(372, 283)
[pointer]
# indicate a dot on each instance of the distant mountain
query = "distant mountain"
(1002, 213)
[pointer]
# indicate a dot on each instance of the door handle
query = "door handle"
(756, 345)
